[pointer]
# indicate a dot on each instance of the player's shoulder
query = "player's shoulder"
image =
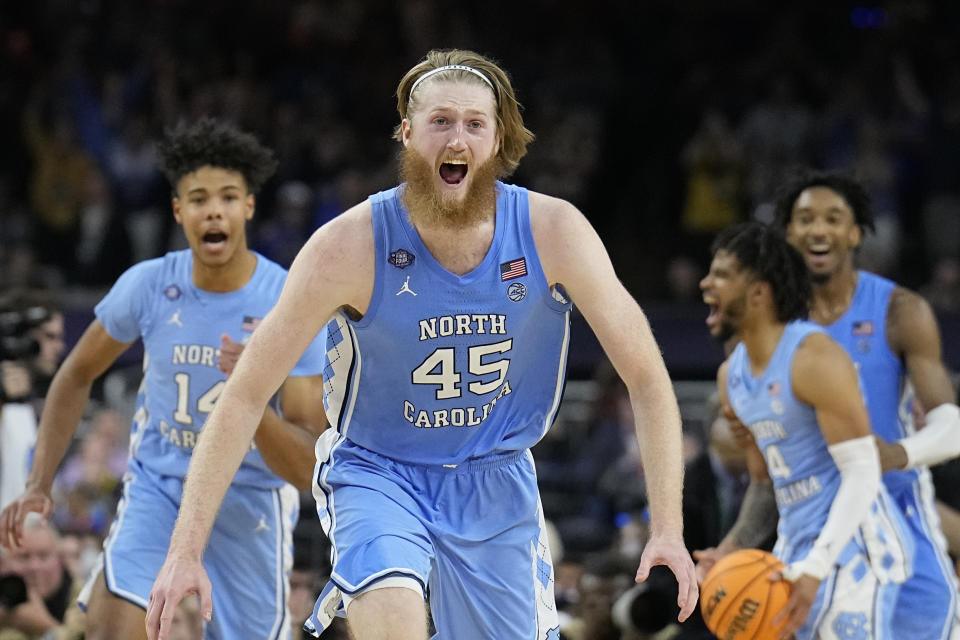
(353, 225)
(904, 301)
(817, 354)
(724, 369)
(552, 218)
(161, 268)
(816, 341)
(542, 204)
(911, 321)
(345, 243)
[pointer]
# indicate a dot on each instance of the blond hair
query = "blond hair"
(514, 136)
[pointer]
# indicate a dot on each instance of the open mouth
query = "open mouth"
(713, 317)
(453, 172)
(214, 238)
(817, 254)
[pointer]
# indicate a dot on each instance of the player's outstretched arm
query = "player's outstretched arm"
(573, 255)
(63, 409)
(914, 335)
(335, 268)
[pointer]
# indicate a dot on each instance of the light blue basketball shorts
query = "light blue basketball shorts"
(927, 605)
(856, 600)
(470, 538)
(248, 557)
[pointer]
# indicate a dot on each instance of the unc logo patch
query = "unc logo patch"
(401, 258)
(172, 292)
(852, 626)
(517, 291)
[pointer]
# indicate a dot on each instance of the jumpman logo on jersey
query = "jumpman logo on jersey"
(406, 287)
(262, 526)
(175, 319)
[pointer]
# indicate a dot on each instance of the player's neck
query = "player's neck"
(223, 278)
(832, 298)
(459, 249)
(761, 339)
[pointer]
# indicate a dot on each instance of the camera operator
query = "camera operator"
(37, 593)
(31, 345)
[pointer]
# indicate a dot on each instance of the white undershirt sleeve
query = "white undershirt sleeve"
(939, 439)
(859, 465)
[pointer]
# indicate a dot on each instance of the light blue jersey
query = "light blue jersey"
(862, 331)
(450, 368)
(806, 480)
(181, 326)
(927, 607)
(437, 394)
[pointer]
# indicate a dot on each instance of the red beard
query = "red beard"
(428, 206)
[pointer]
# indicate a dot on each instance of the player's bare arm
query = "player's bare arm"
(758, 516)
(913, 334)
(286, 442)
(824, 377)
(333, 270)
(63, 409)
(758, 511)
(572, 255)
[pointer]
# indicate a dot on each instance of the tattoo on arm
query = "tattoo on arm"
(758, 517)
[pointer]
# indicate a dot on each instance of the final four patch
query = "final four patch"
(401, 258)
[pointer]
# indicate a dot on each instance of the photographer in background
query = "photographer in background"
(37, 593)
(31, 346)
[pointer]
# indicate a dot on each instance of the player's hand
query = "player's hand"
(671, 552)
(13, 516)
(229, 354)
(706, 559)
(178, 578)
(892, 455)
(795, 612)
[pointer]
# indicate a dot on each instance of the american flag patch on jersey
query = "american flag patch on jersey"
(250, 323)
(513, 269)
(863, 328)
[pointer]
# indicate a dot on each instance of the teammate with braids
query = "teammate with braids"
(446, 303)
(193, 309)
(844, 543)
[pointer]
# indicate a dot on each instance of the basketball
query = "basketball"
(739, 601)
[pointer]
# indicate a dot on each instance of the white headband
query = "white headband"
(451, 67)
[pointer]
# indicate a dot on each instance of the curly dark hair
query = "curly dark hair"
(210, 142)
(839, 182)
(762, 250)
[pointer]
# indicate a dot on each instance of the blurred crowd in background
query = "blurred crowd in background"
(663, 121)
